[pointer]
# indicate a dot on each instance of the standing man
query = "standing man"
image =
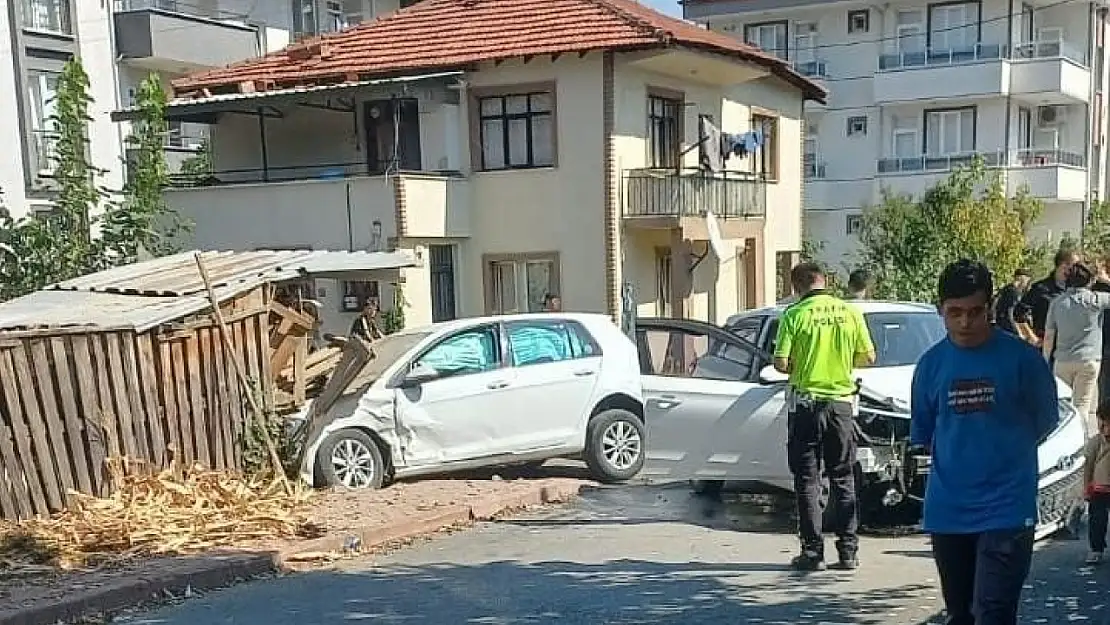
(1073, 339)
(819, 342)
(981, 402)
(1032, 312)
(859, 284)
(367, 325)
(1008, 298)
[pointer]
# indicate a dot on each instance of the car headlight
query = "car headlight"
(1067, 414)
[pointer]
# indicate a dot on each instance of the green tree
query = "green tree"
(906, 242)
(143, 221)
(1096, 230)
(197, 168)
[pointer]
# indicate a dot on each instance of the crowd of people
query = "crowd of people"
(982, 401)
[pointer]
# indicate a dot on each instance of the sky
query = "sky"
(670, 7)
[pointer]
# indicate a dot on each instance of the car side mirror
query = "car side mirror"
(419, 374)
(771, 375)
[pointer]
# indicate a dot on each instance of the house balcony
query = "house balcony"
(1056, 175)
(817, 71)
(931, 74)
(813, 169)
(666, 199)
(1050, 72)
(177, 37)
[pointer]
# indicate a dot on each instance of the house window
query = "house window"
(441, 262)
(857, 126)
(950, 131)
(904, 137)
(910, 32)
(517, 130)
(304, 18)
(663, 282)
(859, 21)
(356, 294)
(767, 160)
(41, 88)
(853, 224)
(48, 15)
(805, 42)
(664, 130)
(335, 18)
(519, 283)
(953, 26)
(1025, 128)
(770, 37)
(392, 129)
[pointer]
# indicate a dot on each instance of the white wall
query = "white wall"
(95, 33)
(11, 159)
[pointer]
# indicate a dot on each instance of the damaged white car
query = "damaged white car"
(716, 411)
(480, 392)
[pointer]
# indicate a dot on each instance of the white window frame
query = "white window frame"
(853, 224)
(943, 32)
(520, 284)
(51, 16)
(944, 118)
(805, 42)
(40, 96)
(904, 127)
(910, 27)
(857, 126)
(754, 34)
(854, 28)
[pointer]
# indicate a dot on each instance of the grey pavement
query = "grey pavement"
(637, 554)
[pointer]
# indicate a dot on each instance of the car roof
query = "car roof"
(866, 306)
(468, 322)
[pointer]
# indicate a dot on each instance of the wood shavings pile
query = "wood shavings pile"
(159, 514)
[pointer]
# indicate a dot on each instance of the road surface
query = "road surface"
(637, 554)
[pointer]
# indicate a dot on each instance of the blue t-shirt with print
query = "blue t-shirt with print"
(982, 412)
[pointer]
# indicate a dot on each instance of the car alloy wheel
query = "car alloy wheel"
(621, 445)
(353, 463)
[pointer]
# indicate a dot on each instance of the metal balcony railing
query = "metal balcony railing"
(693, 193)
(1016, 158)
(812, 69)
(813, 170)
(1040, 158)
(1048, 49)
(179, 7)
(941, 57)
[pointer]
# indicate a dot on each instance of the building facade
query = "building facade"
(120, 42)
(917, 88)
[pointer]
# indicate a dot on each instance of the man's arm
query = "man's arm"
(923, 418)
(1049, 333)
(1039, 386)
(784, 342)
(865, 348)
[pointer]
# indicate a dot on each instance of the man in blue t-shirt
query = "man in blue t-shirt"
(982, 400)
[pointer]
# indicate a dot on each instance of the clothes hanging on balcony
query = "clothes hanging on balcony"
(711, 154)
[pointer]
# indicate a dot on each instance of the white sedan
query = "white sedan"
(476, 393)
(716, 410)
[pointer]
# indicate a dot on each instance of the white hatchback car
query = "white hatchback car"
(716, 411)
(481, 392)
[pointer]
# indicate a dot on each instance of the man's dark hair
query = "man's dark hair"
(859, 279)
(1063, 256)
(804, 275)
(1022, 273)
(964, 278)
(1079, 275)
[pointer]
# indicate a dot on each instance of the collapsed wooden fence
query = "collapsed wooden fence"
(69, 400)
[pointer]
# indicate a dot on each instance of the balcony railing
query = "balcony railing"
(693, 193)
(44, 145)
(939, 57)
(812, 69)
(180, 8)
(812, 168)
(1016, 158)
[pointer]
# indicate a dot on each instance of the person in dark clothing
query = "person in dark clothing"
(1031, 313)
(1102, 285)
(1008, 299)
(859, 285)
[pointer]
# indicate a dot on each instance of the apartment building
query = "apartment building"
(917, 88)
(120, 42)
(537, 146)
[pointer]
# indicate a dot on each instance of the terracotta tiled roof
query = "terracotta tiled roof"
(440, 34)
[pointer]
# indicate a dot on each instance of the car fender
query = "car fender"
(374, 411)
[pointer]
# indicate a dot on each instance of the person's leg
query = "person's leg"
(1098, 509)
(839, 451)
(1000, 571)
(1084, 389)
(803, 434)
(955, 556)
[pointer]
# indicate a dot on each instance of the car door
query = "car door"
(556, 366)
(461, 414)
(708, 417)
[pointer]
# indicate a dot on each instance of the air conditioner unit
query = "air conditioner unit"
(1050, 115)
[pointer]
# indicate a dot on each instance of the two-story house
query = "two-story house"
(520, 148)
(919, 87)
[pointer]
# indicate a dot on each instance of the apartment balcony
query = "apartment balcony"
(813, 169)
(1053, 72)
(172, 36)
(931, 74)
(666, 199)
(1056, 175)
(818, 71)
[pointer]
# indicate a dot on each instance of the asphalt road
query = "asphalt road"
(638, 554)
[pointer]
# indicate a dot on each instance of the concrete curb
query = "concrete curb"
(212, 571)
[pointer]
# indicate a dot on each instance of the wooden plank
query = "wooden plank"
(225, 401)
(193, 364)
(184, 408)
(36, 425)
(135, 396)
(120, 396)
(69, 392)
(168, 391)
(295, 317)
(211, 397)
(48, 404)
(25, 478)
(106, 416)
(90, 412)
(283, 352)
(155, 411)
(11, 468)
(300, 379)
(266, 373)
(230, 391)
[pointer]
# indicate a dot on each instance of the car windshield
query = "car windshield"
(901, 338)
(387, 350)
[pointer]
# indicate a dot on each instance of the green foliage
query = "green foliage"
(256, 457)
(394, 318)
(1096, 230)
(905, 243)
(196, 168)
(811, 252)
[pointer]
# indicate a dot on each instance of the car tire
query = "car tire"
(615, 446)
(707, 488)
(350, 458)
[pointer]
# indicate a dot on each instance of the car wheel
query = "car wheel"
(350, 459)
(615, 445)
(709, 488)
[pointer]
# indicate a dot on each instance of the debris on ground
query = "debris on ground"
(154, 515)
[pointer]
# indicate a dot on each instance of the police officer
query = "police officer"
(820, 340)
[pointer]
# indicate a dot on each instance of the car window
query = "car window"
(674, 352)
(748, 329)
(772, 334)
(469, 351)
(538, 342)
